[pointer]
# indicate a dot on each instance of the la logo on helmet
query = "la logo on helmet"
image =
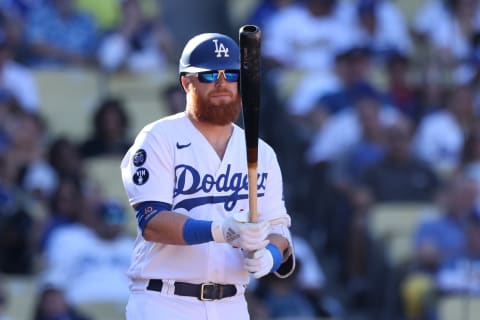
(219, 49)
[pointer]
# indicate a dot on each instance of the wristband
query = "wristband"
(276, 255)
(197, 231)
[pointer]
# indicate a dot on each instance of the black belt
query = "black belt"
(203, 291)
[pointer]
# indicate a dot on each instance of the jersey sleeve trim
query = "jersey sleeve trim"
(145, 211)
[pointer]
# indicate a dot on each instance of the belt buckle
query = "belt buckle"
(202, 289)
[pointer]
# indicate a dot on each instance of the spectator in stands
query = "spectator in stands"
(16, 222)
(342, 130)
(265, 9)
(8, 107)
(284, 300)
(470, 157)
(27, 132)
(368, 150)
(15, 79)
(13, 16)
(440, 150)
(307, 52)
(313, 281)
(439, 240)
(363, 261)
(19, 8)
(138, 44)
(93, 269)
(64, 156)
(345, 146)
(382, 28)
(354, 68)
(60, 35)
(65, 208)
(461, 275)
(401, 91)
(320, 30)
(400, 176)
(457, 21)
(431, 10)
(318, 98)
(4, 140)
(22, 135)
(433, 89)
(303, 295)
(444, 238)
(53, 305)
(110, 129)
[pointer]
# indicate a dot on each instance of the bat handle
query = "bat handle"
(252, 194)
(252, 197)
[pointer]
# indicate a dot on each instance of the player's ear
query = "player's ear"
(184, 81)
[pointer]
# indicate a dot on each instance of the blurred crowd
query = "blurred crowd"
(364, 104)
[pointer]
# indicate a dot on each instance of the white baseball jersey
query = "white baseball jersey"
(172, 162)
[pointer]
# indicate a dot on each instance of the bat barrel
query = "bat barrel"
(249, 37)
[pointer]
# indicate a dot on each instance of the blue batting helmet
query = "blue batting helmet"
(210, 51)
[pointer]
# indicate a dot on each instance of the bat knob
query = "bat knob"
(249, 28)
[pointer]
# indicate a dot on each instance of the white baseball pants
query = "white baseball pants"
(152, 305)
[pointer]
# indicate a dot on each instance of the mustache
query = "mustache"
(220, 92)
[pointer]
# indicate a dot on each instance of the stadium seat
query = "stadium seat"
(68, 97)
(409, 8)
(141, 94)
(288, 82)
(395, 223)
(458, 308)
(103, 310)
(105, 171)
(240, 11)
(21, 296)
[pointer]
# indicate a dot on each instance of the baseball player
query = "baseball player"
(186, 177)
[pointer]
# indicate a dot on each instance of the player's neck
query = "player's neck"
(217, 135)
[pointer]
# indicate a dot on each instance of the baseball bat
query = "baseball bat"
(249, 39)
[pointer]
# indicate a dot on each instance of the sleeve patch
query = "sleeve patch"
(139, 158)
(140, 176)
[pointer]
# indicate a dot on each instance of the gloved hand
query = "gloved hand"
(241, 234)
(260, 264)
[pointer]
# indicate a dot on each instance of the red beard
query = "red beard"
(215, 113)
